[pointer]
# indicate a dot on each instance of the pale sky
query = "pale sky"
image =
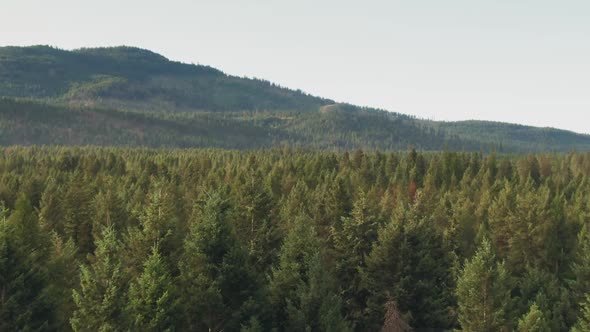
(523, 61)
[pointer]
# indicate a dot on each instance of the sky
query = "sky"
(522, 61)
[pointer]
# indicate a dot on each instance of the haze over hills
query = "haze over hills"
(127, 96)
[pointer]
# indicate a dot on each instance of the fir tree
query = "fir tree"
(152, 304)
(583, 324)
(109, 212)
(352, 239)
(580, 284)
(533, 321)
(302, 292)
(76, 205)
(63, 272)
(410, 265)
(23, 280)
(158, 225)
(483, 293)
(101, 297)
(216, 280)
(255, 224)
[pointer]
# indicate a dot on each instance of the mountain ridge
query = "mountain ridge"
(189, 105)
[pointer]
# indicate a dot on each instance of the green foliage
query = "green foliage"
(158, 226)
(77, 213)
(291, 239)
(151, 304)
(583, 324)
(302, 292)
(110, 212)
(132, 78)
(515, 137)
(100, 300)
(550, 296)
(483, 293)
(533, 321)
(23, 304)
(580, 284)
(410, 265)
(352, 239)
(63, 273)
(254, 224)
(217, 283)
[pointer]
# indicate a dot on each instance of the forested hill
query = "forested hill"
(134, 78)
(126, 96)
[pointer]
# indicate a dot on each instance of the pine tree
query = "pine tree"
(252, 326)
(548, 294)
(255, 224)
(483, 293)
(63, 273)
(339, 201)
(352, 239)
(50, 210)
(158, 225)
(410, 265)
(296, 203)
(580, 285)
(27, 231)
(533, 321)
(23, 280)
(302, 292)
(100, 300)
(316, 304)
(151, 304)
(583, 324)
(109, 212)
(217, 283)
(76, 206)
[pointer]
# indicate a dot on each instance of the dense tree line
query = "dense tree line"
(342, 127)
(29, 122)
(105, 239)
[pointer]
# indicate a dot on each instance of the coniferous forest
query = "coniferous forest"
(132, 97)
(289, 239)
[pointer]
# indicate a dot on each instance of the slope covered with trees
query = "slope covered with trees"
(27, 122)
(293, 240)
(133, 78)
(127, 96)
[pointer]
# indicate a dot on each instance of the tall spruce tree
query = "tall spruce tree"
(580, 284)
(23, 279)
(583, 323)
(158, 225)
(533, 321)
(77, 209)
(255, 224)
(410, 265)
(483, 293)
(218, 285)
(100, 299)
(352, 239)
(302, 292)
(152, 302)
(109, 212)
(63, 271)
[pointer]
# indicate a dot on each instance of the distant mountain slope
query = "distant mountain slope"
(127, 96)
(132, 78)
(515, 137)
(27, 122)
